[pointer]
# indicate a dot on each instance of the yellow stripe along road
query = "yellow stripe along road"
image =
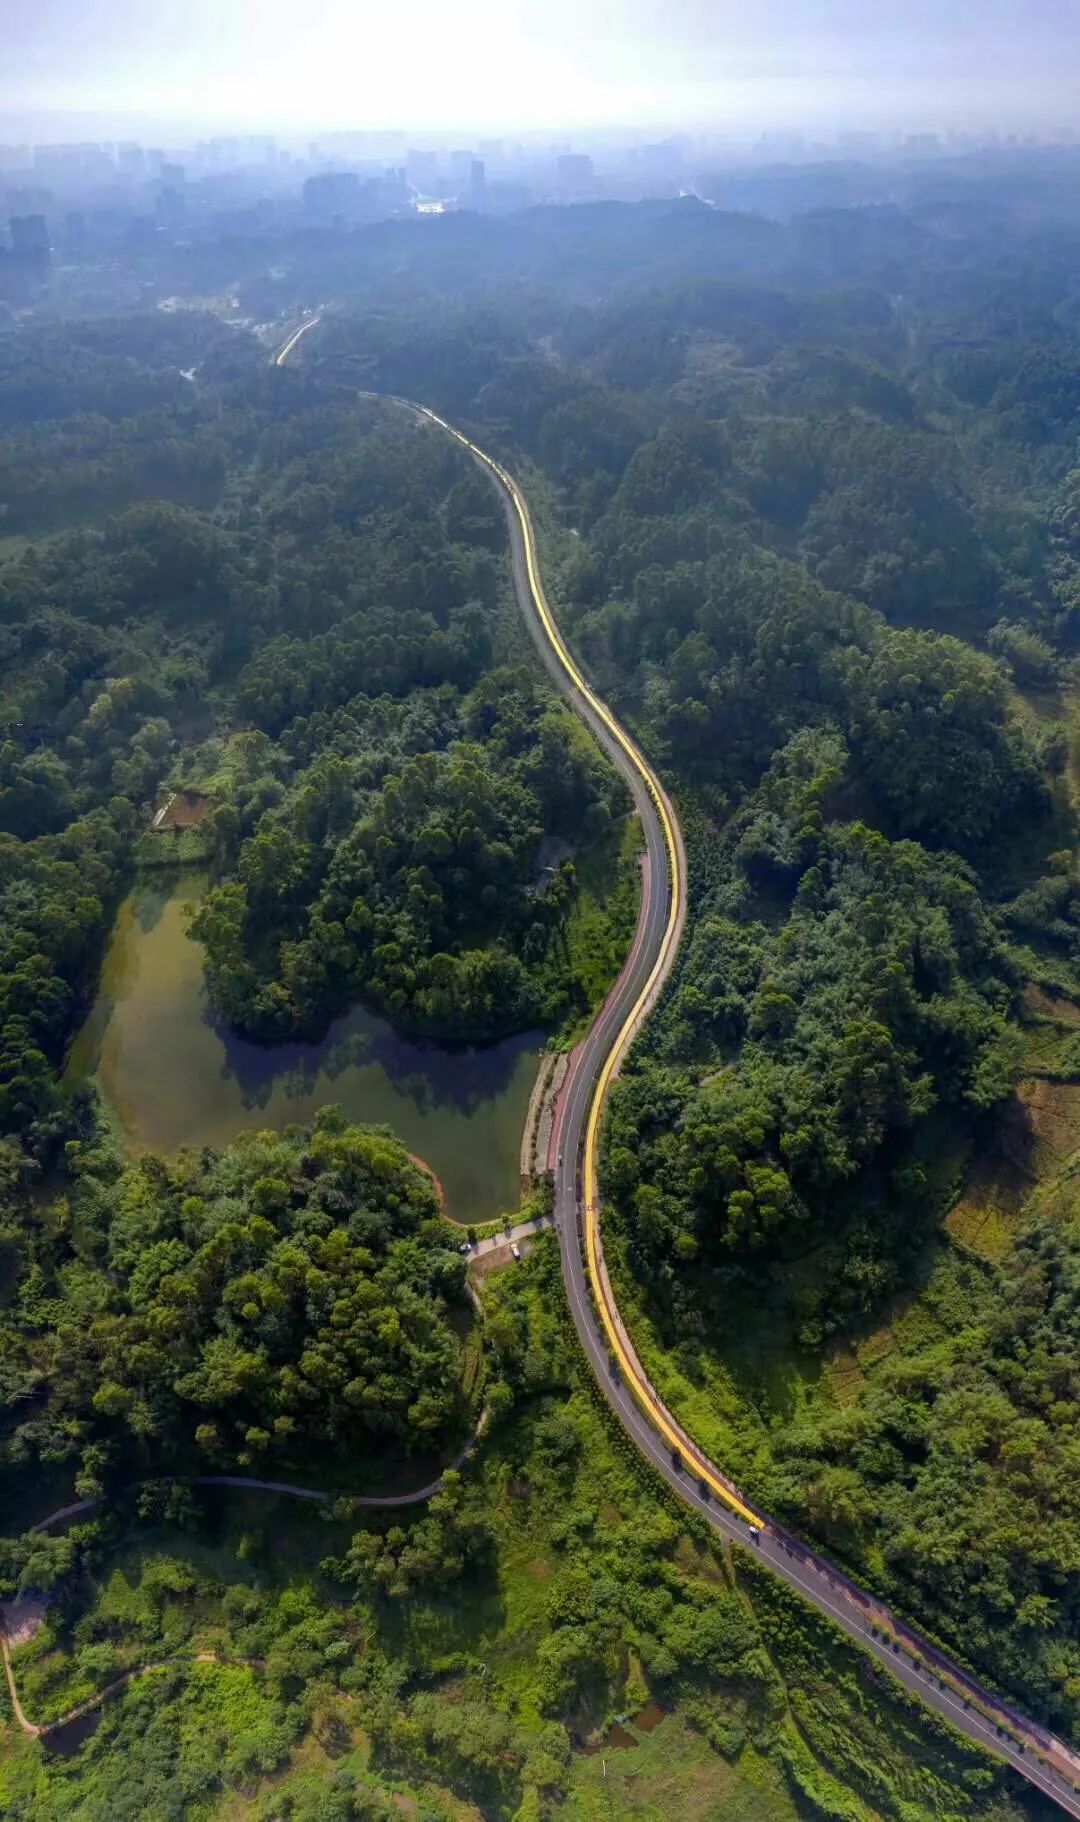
(1040, 1757)
(626, 1359)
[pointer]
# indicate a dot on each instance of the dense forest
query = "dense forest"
(278, 1303)
(808, 507)
(823, 556)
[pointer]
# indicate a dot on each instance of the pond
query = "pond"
(173, 1077)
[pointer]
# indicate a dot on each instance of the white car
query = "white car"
(515, 1249)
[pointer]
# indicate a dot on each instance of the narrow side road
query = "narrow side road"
(40, 1730)
(520, 1234)
(323, 1496)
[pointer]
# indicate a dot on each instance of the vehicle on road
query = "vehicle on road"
(515, 1249)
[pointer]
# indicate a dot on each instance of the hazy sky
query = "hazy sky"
(525, 64)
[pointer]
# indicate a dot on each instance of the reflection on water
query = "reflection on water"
(175, 1078)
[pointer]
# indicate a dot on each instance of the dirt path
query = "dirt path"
(422, 1164)
(40, 1730)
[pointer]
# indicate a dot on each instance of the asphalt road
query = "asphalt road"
(286, 348)
(1035, 1754)
(1045, 1762)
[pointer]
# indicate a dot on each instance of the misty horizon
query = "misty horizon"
(108, 68)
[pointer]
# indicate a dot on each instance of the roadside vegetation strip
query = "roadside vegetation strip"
(540, 1100)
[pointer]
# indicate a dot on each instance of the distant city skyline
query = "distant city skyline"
(120, 67)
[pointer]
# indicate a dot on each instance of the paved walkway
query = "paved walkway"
(519, 1235)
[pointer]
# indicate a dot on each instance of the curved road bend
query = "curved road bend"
(286, 348)
(1045, 1761)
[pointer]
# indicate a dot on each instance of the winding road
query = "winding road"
(1039, 1756)
(1046, 1762)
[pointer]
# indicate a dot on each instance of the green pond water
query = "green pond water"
(174, 1077)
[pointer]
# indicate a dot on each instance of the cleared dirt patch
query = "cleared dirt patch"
(185, 810)
(422, 1164)
(986, 1216)
(23, 1618)
(843, 1373)
(1039, 1003)
(616, 1739)
(484, 1263)
(1053, 1111)
(650, 1716)
(1038, 1134)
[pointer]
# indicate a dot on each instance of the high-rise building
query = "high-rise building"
(781, 145)
(332, 193)
(172, 205)
(476, 181)
(856, 140)
(29, 234)
(422, 168)
(74, 160)
(661, 159)
(574, 171)
(27, 265)
(391, 193)
(461, 170)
